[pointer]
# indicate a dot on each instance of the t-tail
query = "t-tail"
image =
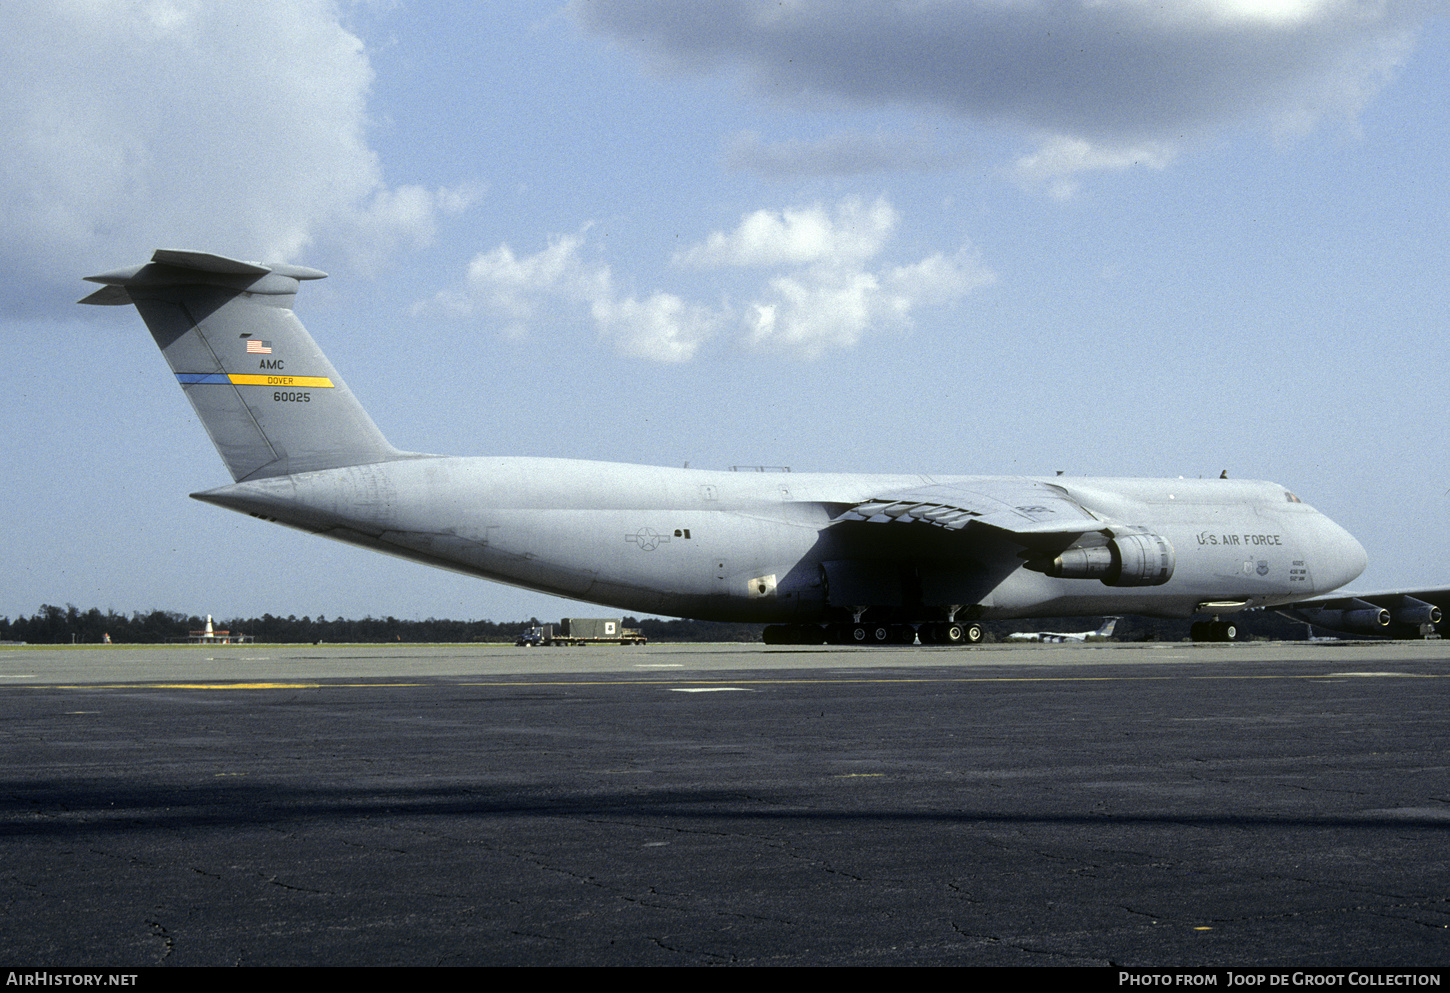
(268, 397)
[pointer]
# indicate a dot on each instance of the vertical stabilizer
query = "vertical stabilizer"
(268, 397)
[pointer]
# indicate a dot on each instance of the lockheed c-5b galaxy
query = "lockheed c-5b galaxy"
(817, 556)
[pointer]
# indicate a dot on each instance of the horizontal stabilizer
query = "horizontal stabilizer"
(173, 267)
(109, 296)
(206, 262)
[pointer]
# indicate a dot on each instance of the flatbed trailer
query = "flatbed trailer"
(582, 631)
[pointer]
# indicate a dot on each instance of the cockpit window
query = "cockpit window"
(1291, 497)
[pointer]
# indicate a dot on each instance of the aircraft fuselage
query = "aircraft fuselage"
(768, 547)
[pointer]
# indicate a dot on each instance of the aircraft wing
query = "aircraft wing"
(1390, 613)
(1033, 513)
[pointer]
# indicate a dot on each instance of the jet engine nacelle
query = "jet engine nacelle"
(1416, 612)
(1138, 559)
(1365, 620)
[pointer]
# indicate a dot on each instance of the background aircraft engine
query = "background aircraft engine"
(1140, 559)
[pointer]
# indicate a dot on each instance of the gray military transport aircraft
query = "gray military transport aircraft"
(1103, 633)
(818, 557)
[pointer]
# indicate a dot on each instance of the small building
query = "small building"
(211, 636)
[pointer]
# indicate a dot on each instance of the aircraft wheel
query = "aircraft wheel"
(775, 634)
(905, 634)
(950, 633)
(860, 634)
(974, 634)
(1213, 631)
(881, 634)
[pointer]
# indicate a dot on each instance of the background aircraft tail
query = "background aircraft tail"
(268, 397)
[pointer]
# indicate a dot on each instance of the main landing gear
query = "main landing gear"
(1213, 631)
(933, 633)
(949, 633)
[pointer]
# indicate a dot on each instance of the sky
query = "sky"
(1101, 237)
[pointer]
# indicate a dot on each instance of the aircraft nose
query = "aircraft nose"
(1341, 559)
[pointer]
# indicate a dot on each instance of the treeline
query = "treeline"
(52, 625)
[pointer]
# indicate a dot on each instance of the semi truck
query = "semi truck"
(582, 631)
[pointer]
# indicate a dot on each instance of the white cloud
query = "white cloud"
(1280, 13)
(828, 289)
(857, 231)
(234, 127)
(516, 289)
(939, 279)
(816, 311)
(832, 295)
(661, 327)
(824, 307)
(1056, 165)
(371, 230)
(1111, 78)
(511, 285)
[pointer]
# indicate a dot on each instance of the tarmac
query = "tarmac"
(1256, 805)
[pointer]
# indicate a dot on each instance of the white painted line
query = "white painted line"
(712, 689)
(1337, 674)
